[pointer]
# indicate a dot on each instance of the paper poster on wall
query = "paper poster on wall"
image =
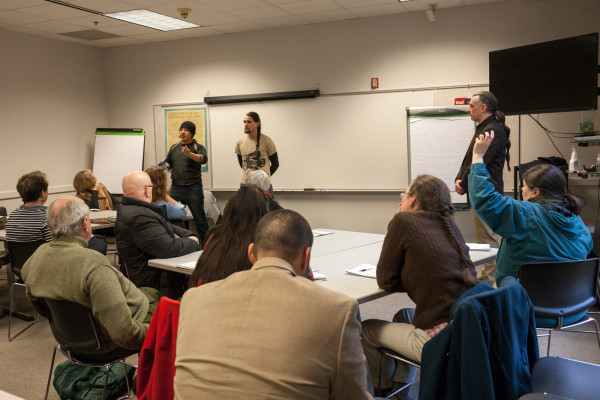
(173, 120)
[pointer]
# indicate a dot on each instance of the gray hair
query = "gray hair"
(259, 178)
(65, 216)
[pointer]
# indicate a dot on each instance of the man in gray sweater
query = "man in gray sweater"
(65, 269)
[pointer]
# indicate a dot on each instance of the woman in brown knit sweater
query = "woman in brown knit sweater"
(424, 255)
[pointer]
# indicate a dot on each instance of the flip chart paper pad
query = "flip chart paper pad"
(438, 140)
(115, 154)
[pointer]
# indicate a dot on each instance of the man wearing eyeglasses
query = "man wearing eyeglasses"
(143, 233)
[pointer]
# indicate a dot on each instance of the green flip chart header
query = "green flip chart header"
(119, 131)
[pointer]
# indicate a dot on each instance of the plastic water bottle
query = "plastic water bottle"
(574, 161)
(598, 163)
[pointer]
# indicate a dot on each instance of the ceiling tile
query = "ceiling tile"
(171, 10)
(365, 3)
(65, 38)
(218, 18)
(280, 1)
(156, 37)
(53, 11)
(281, 22)
(129, 30)
(475, 2)
(23, 29)
(196, 32)
(228, 5)
(239, 27)
(152, 3)
(260, 13)
(18, 18)
(12, 4)
(310, 6)
(103, 6)
(121, 41)
(422, 5)
(54, 27)
(88, 21)
(376, 11)
(327, 16)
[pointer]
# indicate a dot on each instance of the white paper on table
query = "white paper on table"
(479, 246)
(367, 270)
(189, 265)
(319, 276)
(317, 233)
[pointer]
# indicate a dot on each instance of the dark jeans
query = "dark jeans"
(193, 197)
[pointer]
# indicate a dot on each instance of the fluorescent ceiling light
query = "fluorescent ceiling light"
(152, 20)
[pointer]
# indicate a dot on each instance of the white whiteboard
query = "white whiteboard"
(438, 140)
(115, 156)
(341, 142)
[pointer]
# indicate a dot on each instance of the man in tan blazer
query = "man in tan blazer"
(270, 333)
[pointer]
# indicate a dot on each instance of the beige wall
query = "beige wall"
(52, 98)
(121, 85)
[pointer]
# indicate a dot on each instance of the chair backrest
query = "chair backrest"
(73, 326)
(3, 211)
(20, 253)
(596, 238)
(560, 289)
(488, 348)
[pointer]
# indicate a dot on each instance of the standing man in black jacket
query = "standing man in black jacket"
(143, 233)
(483, 109)
(185, 160)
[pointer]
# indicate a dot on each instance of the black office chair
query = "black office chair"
(4, 257)
(596, 253)
(19, 254)
(560, 290)
(406, 315)
(400, 358)
(78, 335)
(562, 378)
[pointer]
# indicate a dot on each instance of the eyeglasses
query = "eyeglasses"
(402, 195)
(150, 186)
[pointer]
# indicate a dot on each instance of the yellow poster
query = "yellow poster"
(174, 119)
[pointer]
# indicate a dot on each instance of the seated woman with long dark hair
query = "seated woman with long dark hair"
(544, 227)
(226, 251)
(424, 254)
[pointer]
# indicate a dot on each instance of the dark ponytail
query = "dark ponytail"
(491, 102)
(552, 184)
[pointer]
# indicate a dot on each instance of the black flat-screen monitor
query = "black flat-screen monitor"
(560, 75)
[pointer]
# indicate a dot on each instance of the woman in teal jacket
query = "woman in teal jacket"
(544, 227)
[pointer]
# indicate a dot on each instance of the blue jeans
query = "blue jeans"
(193, 197)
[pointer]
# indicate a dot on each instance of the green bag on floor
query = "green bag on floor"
(76, 382)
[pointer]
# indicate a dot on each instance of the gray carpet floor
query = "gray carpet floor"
(25, 362)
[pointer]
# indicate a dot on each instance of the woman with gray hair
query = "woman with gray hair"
(261, 179)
